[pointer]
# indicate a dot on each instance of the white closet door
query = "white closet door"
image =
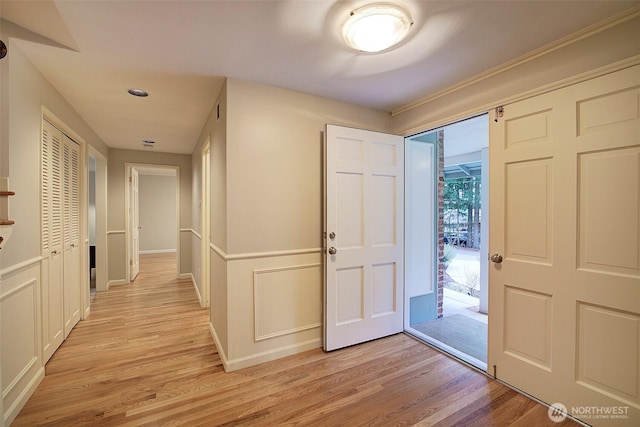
(71, 214)
(565, 233)
(52, 253)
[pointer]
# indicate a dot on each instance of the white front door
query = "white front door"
(364, 217)
(134, 224)
(565, 205)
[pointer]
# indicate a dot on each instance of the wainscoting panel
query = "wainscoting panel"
(274, 307)
(20, 324)
(286, 300)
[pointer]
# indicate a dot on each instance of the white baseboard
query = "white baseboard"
(221, 353)
(13, 411)
(157, 251)
(195, 287)
(267, 356)
(118, 282)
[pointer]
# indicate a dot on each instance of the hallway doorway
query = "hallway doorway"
(153, 194)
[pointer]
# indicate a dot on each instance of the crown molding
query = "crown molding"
(544, 50)
(541, 90)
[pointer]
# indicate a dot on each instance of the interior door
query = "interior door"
(71, 214)
(134, 221)
(52, 245)
(565, 282)
(364, 216)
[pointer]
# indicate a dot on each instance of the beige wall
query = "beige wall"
(274, 152)
(219, 307)
(214, 131)
(28, 91)
(24, 93)
(116, 214)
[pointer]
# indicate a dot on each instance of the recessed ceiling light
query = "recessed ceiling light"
(138, 92)
(376, 27)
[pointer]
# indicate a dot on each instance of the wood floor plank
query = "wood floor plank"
(145, 357)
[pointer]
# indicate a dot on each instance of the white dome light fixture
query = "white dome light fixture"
(376, 27)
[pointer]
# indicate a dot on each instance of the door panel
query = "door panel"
(52, 248)
(349, 205)
(528, 206)
(71, 215)
(614, 248)
(565, 205)
(364, 224)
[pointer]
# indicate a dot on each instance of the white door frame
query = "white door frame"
(133, 223)
(128, 234)
(484, 233)
(421, 253)
(205, 218)
(101, 218)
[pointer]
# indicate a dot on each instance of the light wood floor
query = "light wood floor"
(145, 357)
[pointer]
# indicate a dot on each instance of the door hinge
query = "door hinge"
(499, 113)
(495, 371)
(131, 178)
(130, 262)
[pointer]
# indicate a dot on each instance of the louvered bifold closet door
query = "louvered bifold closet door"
(52, 249)
(71, 215)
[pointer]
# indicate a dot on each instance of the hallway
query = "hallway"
(142, 343)
(145, 357)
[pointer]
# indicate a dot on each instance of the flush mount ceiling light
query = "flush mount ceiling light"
(376, 27)
(138, 92)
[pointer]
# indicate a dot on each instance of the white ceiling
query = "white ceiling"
(180, 51)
